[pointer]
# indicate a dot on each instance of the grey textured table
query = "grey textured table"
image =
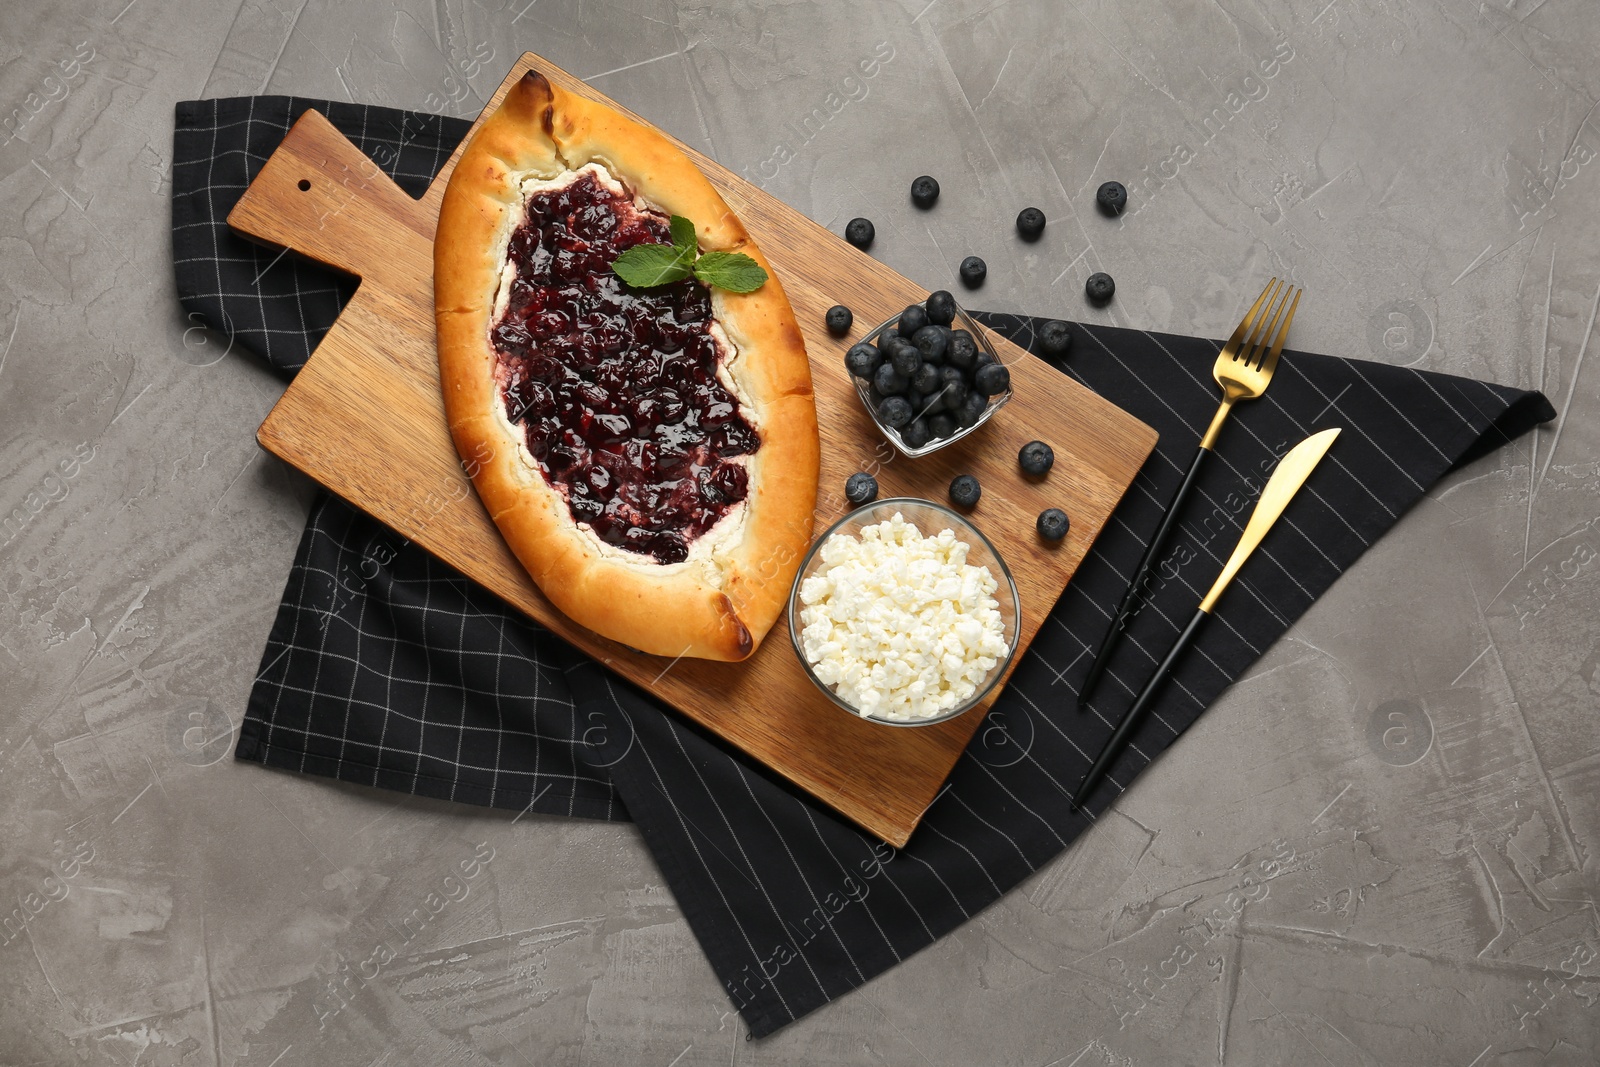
(1426, 734)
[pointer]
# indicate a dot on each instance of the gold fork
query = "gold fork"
(1243, 370)
(1245, 373)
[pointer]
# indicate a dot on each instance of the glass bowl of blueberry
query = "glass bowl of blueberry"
(928, 376)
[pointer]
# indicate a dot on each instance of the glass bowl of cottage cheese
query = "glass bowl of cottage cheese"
(903, 613)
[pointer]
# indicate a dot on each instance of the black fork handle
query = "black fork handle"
(1135, 715)
(1129, 606)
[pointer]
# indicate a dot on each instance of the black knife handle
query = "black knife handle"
(1127, 609)
(1135, 715)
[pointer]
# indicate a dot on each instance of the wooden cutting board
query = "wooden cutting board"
(365, 419)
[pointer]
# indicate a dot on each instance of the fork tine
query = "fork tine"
(1232, 347)
(1269, 322)
(1271, 362)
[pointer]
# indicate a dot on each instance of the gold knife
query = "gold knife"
(1287, 478)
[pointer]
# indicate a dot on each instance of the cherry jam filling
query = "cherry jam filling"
(616, 388)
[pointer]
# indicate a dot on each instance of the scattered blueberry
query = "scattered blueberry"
(895, 411)
(941, 426)
(924, 191)
(1100, 287)
(1053, 524)
(973, 270)
(991, 379)
(860, 233)
(916, 434)
(965, 490)
(861, 488)
(941, 307)
(911, 320)
(1112, 198)
(962, 351)
(1036, 457)
(1030, 223)
(931, 343)
(927, 379)
(839, 319)
(1055, 338)
(862, 360)
(906, 358)
(972, 409)
(889, 381)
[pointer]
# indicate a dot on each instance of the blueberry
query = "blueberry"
(861, 488)
(935, 401)
(906, 358)
(941, 426)
(972, 409)
(973, 270)
(965, 490)
(862, 360)
(839, 319)
(1112, 198)
(924, 191)
(895, 411)
(1055, 338)
(889, 381)
(941, 307)
(916, 434)
(886, 340)
(1053, 524)
(1099, 288)
(962, 351)
(926, 379)
(860, 233)
(1036, 457)
(1030, 223)
(912, 319)
(991, 379)
(955, 387)
(931, 343)
(981, 360)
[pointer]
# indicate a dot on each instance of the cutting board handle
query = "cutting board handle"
(321, 196)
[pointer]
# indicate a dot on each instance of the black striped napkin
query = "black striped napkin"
(386, 667)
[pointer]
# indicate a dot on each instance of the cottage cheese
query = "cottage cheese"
(900, 625)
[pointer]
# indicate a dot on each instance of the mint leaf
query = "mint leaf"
(733, 271)
(682, 232)
(647, 265)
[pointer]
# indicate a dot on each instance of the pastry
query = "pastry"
(650, 455)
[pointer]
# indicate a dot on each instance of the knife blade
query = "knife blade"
(1287, 478)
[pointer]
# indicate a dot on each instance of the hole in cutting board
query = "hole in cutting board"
(305, 185)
